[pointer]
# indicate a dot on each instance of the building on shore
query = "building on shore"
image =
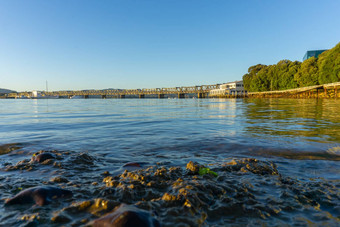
(312, 53)
(235, 88)
(41, 95)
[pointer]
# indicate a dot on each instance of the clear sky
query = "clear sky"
(90, 44)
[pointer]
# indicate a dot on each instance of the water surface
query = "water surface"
(301, 136)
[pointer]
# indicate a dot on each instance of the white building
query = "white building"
(232, 88)
(36, 94)
(39, 95)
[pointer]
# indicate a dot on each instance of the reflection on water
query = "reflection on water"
(316, 120)
(140, 125)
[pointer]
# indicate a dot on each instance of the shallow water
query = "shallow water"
(300, 136)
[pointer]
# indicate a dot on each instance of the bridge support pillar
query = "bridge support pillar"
(161, 96)
(181, 95)
(122, 96)
(201, 95)
(103, 96)
(86, 96)
(142, 96)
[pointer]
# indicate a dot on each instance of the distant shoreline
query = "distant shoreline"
(331, 90)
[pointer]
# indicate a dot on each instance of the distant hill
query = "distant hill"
(5, 91)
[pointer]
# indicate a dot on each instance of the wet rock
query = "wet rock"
(132, 164)
(40, 195)
(251, 165)
(57, 165)
(59, 179)
(183, 196)
(246, 190)
(7, 148)
(31, 219)
(21, 165)
(42, 157)
(193, 167)
(61, 219)
(168, 197)
(83, 158)
(105, 173)
(110, 181)
(39, 158)
(126, 215)
(85, 209)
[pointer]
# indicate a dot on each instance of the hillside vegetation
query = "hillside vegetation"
(288, 74)
(5, 91)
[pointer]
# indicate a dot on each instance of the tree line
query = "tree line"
(288, 74)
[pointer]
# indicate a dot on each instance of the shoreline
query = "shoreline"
(245, 190)
(331, 90)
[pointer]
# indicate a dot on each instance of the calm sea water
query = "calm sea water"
(126, 127)
(135, 129)
(301, 135)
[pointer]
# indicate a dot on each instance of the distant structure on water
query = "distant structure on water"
(40, 95)
(235, 88)
(312, 53)
(232, 89)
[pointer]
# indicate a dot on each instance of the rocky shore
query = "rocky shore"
(239, 191)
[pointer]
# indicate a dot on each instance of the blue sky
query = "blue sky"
(83, 44)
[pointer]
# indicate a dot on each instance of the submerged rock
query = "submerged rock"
(242, 191)
(21, 165)
(7, 148)
(85, 209)
(40, 195)
(59, 179)
(42, 157)
(251, 165)
(132, 164)
(126, 215)
(83, 159)
(195, 195)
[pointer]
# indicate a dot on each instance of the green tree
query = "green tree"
(329, 65)
(250, 80)
(308, 73)
(287, 74)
